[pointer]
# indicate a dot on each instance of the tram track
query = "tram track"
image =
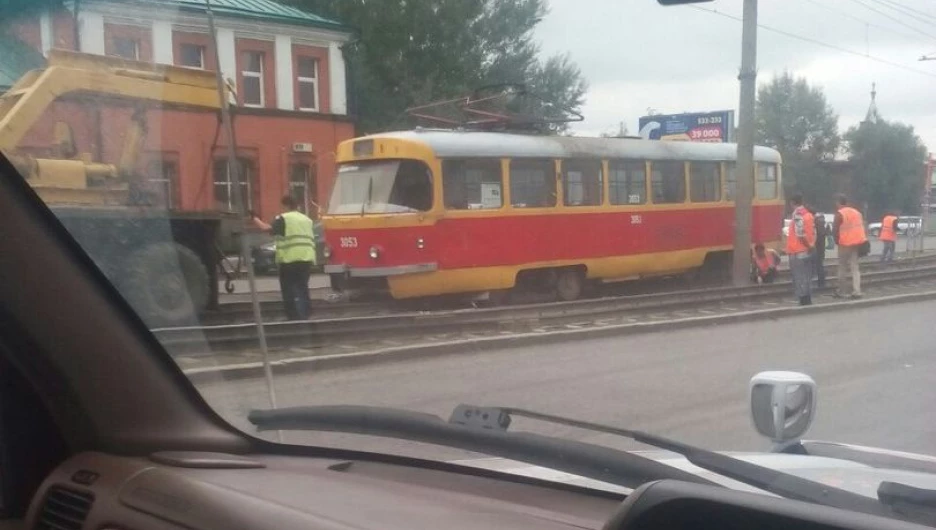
(399, 327)
(272, 310)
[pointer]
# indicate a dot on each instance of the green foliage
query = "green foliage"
(795, 118)
(888, 159)
(413, 52)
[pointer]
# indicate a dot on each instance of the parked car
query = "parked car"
(904, 225)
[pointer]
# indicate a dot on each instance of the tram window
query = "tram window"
(532, 183)
(412, 187)
(669, 182)
(704, 181)
(581, 182)
(627, 182)
(472, 184)
(766, 181)
(731, 180)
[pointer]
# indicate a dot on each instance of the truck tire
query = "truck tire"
(166, 283)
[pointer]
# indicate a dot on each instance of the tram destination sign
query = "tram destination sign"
(716, 127)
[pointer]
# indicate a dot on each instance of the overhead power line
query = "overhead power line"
(819, 43)
(911, 12)
(895, 19)
(864, 22)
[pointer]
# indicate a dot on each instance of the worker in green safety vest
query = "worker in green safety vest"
(294, 235)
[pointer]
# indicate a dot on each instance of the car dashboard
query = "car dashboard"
(202, 491)
(212, 491)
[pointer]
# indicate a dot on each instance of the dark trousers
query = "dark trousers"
(889, 248)
(820, 266)
(294, 284)
(767, 277)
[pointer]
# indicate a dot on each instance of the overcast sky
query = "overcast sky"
(637, 55)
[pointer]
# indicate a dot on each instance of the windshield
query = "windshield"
(381, 187)
(545, 204)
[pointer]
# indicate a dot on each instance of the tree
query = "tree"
(888, 158)
(413, 52)
(794, 118)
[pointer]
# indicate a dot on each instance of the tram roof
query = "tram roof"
(450, 144)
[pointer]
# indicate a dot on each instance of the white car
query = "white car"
(904, 224)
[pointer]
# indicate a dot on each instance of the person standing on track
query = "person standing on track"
(800, 247)
(850, 236)
(888, 236)
(294, 234)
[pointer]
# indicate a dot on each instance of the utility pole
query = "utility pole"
(744, 192)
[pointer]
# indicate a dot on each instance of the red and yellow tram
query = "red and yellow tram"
(433, 212)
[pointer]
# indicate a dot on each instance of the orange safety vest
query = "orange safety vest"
(767, 262)
(851, 231)
(887, 228)
(793, 243)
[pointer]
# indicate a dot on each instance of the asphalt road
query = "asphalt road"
(876, 371)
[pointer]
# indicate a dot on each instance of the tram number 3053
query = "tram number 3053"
(348, 242)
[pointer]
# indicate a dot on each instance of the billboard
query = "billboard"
(715, 126)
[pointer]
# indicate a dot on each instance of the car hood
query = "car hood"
(844, 474)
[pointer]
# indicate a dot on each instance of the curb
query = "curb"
(323, 362)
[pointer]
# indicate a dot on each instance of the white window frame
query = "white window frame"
(201, 56)
(257, 75)
(314, 81)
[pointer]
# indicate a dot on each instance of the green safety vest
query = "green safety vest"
(299, 242)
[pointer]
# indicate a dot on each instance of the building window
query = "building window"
(668, 181)
(302, 187)
(307, 78)
(472, 184)
(766, 181)
(252, 75)
(581, 183)
(162, 178)
(224, 184)
(127, 48)
(704, 181)
(627, 182)
(532, 183)
(192, 55)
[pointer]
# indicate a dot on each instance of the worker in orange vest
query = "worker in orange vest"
(850, 236)
(800, 247)
(764, 264)
(888, 236)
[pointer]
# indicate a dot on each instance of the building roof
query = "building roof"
(266, 10)
(17, 59)
(445, 143)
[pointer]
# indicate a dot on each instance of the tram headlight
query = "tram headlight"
(326, 251)
(374, 252)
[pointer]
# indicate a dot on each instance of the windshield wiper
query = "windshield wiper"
(578, 458)
(771, 480)
(370, 192)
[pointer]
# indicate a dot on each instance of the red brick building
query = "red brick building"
(288, 69)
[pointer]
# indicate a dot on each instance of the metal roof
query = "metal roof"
(506, 145)
(267, 10)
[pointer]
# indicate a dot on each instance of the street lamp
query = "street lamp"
(744, 187)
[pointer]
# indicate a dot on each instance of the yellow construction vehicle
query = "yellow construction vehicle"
(163, 261)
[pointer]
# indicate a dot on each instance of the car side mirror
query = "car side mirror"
(783, 405)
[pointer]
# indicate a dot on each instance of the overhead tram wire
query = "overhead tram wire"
(904, 9)
(819, 43)
(861, 20)
(895, 19)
